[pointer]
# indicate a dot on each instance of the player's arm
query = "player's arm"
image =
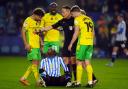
(75, 36)
(63, 65)
(54, 26)
(23, 33)
(41, 43)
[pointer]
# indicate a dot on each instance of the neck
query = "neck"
(79, 14)
(69, 17)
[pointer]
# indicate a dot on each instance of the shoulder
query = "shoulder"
(123, 22)
(27, 21)
(58, 57)
(44, 60)
(76, 20)
(46, 15)
(59, 15)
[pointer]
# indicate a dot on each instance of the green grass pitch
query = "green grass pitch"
(116, 77)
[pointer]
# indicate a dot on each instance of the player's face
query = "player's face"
(119, 18)
(65, 12)
(74, 14)
(53, 10)
(38, 18)
(50, 52)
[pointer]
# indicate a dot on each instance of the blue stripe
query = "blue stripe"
(49, 67)
(56, 63)
(55, 67)
(58, 66)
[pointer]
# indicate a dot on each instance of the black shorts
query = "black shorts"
(66, 52)
(55, 81)
(120, 44)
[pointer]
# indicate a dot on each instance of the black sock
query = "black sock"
(93, 77)
(74, 70)
(70, 70)
(113, 58)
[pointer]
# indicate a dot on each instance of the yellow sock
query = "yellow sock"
(89, 72)
(27, 73)
(35, 71)
(79, 73)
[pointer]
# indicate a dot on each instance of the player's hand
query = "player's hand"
(28, 47)
(46, 28)
(37, 32)
(70, 47)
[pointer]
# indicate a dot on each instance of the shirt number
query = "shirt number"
(89, 26)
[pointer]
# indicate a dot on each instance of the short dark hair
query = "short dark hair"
(39, 12)
(75, 9)
(66, 7)
(53, 5)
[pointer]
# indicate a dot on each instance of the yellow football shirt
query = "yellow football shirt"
(30, 26)
(48, 20)
(86, 27)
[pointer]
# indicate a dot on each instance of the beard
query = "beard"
(53, 12)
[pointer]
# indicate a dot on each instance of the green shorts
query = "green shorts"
(53, 45)
(34, 54)
(84, 52)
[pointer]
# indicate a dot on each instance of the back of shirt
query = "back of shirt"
(86, 27)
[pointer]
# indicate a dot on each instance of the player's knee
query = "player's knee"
(66, 60)
(35, 62)
(87, 63)
(73, 60)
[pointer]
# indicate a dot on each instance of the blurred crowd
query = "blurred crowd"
(103, 12)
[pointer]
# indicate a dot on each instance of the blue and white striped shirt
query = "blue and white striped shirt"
(52, 66)
(121, 28)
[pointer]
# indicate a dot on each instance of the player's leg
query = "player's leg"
(35, 64)
(89, 69)
(23, 79)
(67, 62)
(79, 70)
(36, 57)
(73, 60)
(93, 75)
(73, 64)
(114, 55)
(66, 57)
